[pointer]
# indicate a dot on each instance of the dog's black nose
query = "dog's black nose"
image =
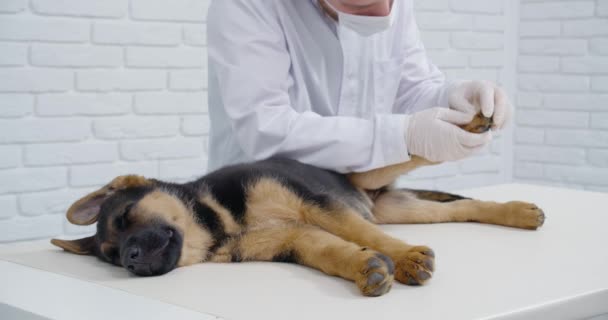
(135, 263)
(134, 253)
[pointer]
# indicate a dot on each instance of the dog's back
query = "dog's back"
(232, 185)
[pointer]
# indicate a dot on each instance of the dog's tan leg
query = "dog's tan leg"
(313, 247)
(414, 265)
(378, 178)
(405, 206)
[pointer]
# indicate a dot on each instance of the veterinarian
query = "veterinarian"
(340, 84)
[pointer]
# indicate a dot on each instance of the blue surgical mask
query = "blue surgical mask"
(363, 25)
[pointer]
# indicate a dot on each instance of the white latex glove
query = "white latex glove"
(432, 134)
(474, 96)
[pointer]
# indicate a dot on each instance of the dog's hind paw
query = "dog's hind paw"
(376, 275)
(524, 215)
(416, 266)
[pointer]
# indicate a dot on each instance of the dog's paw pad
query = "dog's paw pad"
(376, 276)
(416, 266)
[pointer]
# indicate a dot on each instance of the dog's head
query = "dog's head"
(141, 226)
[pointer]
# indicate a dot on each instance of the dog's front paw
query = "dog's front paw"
(479, 124)
(524, 215)
(375, 276)
(416, 266)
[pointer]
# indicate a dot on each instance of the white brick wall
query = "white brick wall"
(561, 129)
(90, 89)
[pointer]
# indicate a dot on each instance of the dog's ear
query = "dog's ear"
(84, 246)
(86, 210)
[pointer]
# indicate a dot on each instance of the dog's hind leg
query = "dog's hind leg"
(416, 206)
(311, 246)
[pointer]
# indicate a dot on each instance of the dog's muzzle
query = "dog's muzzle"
(150, 251)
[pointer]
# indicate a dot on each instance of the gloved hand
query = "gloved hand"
(474, 96)
(433, 134)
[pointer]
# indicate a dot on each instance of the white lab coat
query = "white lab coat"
(285, 80)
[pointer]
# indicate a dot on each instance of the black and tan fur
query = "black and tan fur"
(280, 210)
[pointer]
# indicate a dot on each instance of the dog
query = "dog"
(280, 210)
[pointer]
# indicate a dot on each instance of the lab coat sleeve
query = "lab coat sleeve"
(250, 58)
(422, 85)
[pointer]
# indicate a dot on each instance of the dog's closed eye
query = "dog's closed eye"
(122, 220)
(111, 253)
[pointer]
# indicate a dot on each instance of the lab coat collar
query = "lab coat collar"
(334, 15)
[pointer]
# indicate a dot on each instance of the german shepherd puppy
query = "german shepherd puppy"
(279, 210)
